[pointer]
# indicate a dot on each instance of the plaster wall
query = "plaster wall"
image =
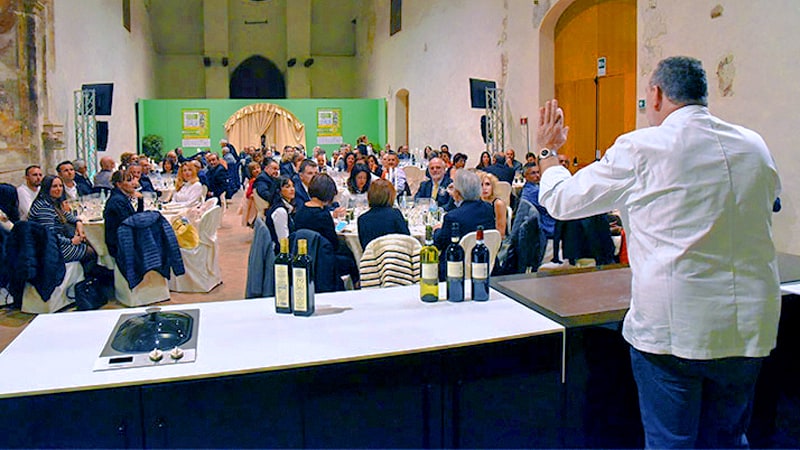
(440, 47)
(92, 46)
(180, 76)
(749, 55)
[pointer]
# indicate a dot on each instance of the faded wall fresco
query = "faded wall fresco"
(22, 36)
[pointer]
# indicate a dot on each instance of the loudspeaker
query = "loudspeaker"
(483, 128)
(206, 61)
(103, 94)
(102, 135)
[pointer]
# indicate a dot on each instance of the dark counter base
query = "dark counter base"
(496, 395)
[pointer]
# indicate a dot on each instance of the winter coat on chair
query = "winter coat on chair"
(147, 242)
(31, 255)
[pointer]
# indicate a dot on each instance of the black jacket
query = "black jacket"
(84, 185)
(147, 242)
(379, 222)
(31, 255)
(217, 180)
(118, 208)
(426, 191)
(501, 171)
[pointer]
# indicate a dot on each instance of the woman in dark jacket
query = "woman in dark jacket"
(48, 209)
(374, 165)
(382, 218)
(119, 207)
(359, 180)
(280, 215)
(314, 215)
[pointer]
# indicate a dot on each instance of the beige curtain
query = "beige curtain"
(245, 126)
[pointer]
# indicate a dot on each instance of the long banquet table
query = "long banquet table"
(371, 368)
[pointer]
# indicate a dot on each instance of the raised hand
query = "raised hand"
(551, 133)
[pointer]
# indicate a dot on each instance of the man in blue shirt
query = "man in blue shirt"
(530, 192)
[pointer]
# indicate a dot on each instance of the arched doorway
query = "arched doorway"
(257, 77)
(597, 107)
(401, 118)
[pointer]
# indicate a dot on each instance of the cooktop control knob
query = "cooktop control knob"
(156, 355)
(176, 353)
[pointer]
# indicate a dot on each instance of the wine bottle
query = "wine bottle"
(455, 267)
(302, 281)
(480, 269)
(429, 259)
(283, 282)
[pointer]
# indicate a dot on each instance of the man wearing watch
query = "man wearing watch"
(704, 302)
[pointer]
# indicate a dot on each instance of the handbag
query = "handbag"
(186, 233)
(89, 294)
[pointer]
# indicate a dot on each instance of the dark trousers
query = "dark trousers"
(694, 403)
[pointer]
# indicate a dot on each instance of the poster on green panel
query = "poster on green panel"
(329, 126)
(195, 130)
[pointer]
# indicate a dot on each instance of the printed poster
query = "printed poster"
(329, 126)
(196, 131)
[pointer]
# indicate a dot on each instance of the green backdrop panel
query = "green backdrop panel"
(359, 116)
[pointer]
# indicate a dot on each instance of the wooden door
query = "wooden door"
(597, 108)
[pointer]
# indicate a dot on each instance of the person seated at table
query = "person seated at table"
(253, 171)
(280, 215)
(168, 167)
(216, 178)
(489, 195)
(381, 218)
(470, 212)
(374, 166)
(188, 189)
(485, 161)
(48, 210)
(349, 162)
(119, 207)
(314, 215)
(359, 180)
(435, 187)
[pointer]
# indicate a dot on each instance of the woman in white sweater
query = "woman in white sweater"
(188, 190)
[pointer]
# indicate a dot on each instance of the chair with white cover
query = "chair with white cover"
(414, 177)
(391, 260)
(152, 289)
(492, 240)
(32, 302)
(202, 262)
(261, 204)
(503, 191)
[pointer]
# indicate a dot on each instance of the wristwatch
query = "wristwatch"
(546, 153)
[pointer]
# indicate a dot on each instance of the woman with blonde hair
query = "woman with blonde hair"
(188, 190)
(489, 195)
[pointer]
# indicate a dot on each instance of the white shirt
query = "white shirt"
(25, 195)
(72, 192)
(696, 198)
(188, 194)
(397, 177)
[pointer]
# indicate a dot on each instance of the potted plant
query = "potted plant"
(152, 145)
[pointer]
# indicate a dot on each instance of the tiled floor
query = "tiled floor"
(234, 244)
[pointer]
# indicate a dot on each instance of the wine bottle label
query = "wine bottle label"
(455, 269)
(480, 271)
(430, 272)
(281, 285)
(300, 289)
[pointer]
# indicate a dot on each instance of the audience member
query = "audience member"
(485, 161)
(489, 195)
(216, 178)
(302, 180)
(530, 192)
(82, 177)
(435, 187)
(359, 180)
(394, 174)
(48, 210)
(188, 189)
(511, 162)
(28, 190)
(280, 215)
(374, 166)
(66, 171)
(102, 178)
(119, 207)
(381, 218)
(470, 212)
(500, 169)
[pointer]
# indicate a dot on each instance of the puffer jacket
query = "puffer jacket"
(147, 242)
(31, 255)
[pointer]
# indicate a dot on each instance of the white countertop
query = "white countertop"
(57, 352)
